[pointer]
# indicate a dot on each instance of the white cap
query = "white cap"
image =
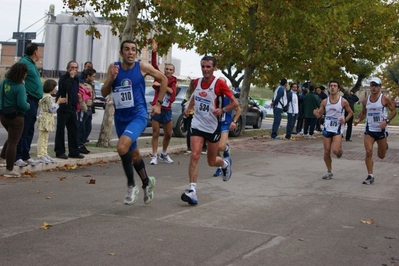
(376, 80)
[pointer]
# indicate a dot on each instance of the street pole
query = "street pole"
(19, 23)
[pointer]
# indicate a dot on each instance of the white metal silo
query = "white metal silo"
(83, 46)
(51, 53)
(113, 49)
(64, 18)
(67, 45)
(100, 49)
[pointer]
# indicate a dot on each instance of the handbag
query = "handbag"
(8, 112)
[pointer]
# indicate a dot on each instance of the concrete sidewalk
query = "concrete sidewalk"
(275, 210)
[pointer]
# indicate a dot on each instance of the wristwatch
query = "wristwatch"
(387, 120)
(159, 101)
(224, 110)
(235, 121)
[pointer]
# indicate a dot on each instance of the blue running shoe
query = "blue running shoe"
(227, 171)
(226, 153)
(218, 172)
(189, 196)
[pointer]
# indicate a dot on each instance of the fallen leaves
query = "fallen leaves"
(112, 254)
(46, 226)
(370, 221)
(91, 182)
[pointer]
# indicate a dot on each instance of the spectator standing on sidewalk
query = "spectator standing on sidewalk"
(293, 110)
(352, 99)
(85, 118)
(165, 117)
(68, 87)
(374, 109)
(13, 94)
(83, 75)
(45, 123)
(125, 80)
(335, 107)
(300, 120)
(311, 102)
(206, 125)
(34, 90)
(279, 100)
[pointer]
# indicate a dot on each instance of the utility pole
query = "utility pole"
(19, 23)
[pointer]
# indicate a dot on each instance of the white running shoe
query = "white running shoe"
(33, 162)
(50, 159)
(131, 195)
(165, 158)
(154, 160)
(20, 163)
(12, 173)
(44, 159)
(3, 162)
(149, 190)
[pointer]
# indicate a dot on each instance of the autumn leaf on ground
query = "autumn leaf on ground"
(28, 173)
(45, 226)
(112, 254)
(91, 181)
(87, 175)
(48, 197)
(38, 192)
(301, 239)
(370, 221)
(69, 166)
(62, 178)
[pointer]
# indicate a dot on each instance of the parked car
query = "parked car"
(177, 116)
(253, 117)
(99, 100)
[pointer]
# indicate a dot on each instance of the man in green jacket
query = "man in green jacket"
(34, 91)
(311, 102)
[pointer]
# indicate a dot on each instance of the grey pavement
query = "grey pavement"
(275, 210)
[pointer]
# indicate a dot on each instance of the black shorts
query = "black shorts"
(377, 135)
(211, 137)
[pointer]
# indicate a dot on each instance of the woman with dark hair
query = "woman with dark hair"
(13, 94)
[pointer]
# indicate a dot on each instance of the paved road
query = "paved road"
(275, 210)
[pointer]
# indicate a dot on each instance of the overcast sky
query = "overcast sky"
(33, 12)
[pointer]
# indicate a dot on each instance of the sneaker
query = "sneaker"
(189, 196)
(369, 180)
(165, 158)
(33, 162)
(300, 133)
(188, 151)
(131, 195)
(12, 173)
(218, 172)
(20, 163)
(312, 137)
(226, 153)
(276, 137)
(50, 159)
(306, 136)
(327, 176)
(227, 171)
(149, 190)
(44, 159)
(339, 155)
(204, 151)
(3, 162)
(154, 160)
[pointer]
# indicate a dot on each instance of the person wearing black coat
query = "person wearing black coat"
(352, 99)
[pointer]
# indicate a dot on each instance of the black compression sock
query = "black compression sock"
(140, 169)
(127, 167)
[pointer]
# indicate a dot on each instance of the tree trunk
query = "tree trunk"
(104, 138)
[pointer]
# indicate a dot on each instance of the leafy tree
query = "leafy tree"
(313, 40)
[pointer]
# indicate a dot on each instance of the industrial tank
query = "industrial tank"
(83, 46)
(51, 53)
(100, 49)
(64, 18)
(67, 46)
